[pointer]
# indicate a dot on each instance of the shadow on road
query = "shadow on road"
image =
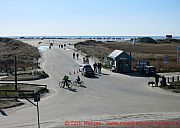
(94, 77)
(82, 86)
(135, 74)
(102, 74)
(3, 112)
(70, 89)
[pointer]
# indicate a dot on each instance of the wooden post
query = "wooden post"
(173, 79)
(38, 114)
(177, 78)
(168, 79)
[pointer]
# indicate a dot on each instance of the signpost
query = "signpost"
(165, 59)
(22, 95)
(36, 97)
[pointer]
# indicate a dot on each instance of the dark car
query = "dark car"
(150, 71)
(87, 71)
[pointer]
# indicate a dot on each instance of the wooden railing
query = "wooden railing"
(16, 93)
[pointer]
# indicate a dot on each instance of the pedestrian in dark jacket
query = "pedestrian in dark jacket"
(95, 67)
(73, 55)
(156, 79)
(99, 68)
(77, 55)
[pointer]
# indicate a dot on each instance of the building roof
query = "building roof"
(115, 53)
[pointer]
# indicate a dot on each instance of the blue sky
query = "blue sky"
(89, 17)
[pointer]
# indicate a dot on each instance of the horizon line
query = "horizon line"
(83, 35)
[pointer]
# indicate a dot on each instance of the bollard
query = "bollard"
(168, 79)
(177, 78)
(173, 79)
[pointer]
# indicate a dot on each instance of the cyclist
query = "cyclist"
(66, 81)
(78, 79)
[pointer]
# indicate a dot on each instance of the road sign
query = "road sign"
(165, 59)
(37, 98)
(178, 48)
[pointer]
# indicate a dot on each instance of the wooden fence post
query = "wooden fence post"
(173, 79)
(177, 78)
(168, 79)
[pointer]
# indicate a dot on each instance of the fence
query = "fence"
(16, 93)
(9, 93)
(172, 79)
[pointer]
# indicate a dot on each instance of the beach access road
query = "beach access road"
(107, 96)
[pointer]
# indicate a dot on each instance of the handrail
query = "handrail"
(30, 93)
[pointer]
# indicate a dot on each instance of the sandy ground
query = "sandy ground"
(46, 42)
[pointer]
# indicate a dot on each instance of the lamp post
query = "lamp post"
(15, 73)
(38, 114)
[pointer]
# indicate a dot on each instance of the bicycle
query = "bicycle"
(61, 84)
(79, 84)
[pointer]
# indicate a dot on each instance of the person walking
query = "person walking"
(77, 55)
(87, 61)
(73, 55)
(163, 81)
(84, 60)
(95, 67)
(99, 68)
(156, 79)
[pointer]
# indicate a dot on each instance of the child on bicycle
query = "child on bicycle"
(78, 79)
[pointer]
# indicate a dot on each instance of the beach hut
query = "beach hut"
(120, 61)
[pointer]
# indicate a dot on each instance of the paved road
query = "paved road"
(107, 95)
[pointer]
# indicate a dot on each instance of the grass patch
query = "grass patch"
(35, 75)
(9, 103)
(175, 83)
(27, 59)
(173, 87)
(26, 54)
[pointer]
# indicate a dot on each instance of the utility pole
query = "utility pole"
(15, 73)
(38, 114)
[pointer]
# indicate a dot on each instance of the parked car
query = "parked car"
(140, 65)
(81, 67)
(150, 71)
(86, 70)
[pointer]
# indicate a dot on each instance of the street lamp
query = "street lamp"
(15, 73)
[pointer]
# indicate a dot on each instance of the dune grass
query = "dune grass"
(154, 53)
